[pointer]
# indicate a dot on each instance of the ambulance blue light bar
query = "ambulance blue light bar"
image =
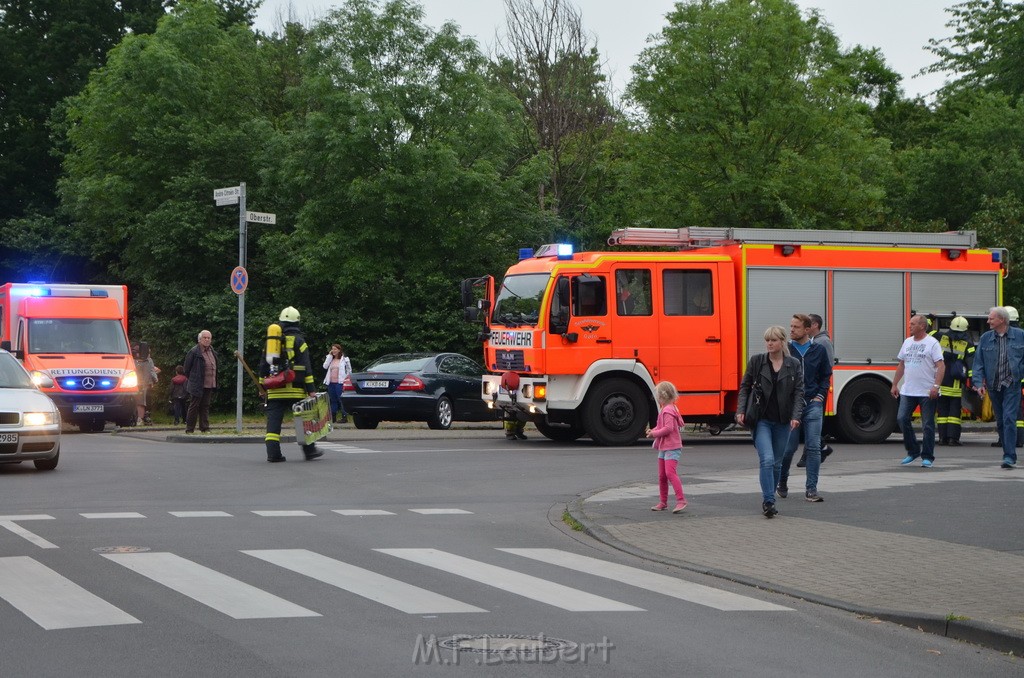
(525, 253)
(564, 250)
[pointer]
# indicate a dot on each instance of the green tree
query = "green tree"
(398, 177)
(170, 117)
(985, 49)
(550, 65)
(975, 153)
(750, 117)
(48, 47)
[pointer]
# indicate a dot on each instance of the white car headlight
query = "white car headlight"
(130, 380)
(40, 418)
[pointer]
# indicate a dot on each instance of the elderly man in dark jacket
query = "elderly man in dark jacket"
(201, 370)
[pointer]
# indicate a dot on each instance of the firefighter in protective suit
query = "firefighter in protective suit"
(958, 354)
(286, 350)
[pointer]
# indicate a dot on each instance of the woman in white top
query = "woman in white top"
(338, 367)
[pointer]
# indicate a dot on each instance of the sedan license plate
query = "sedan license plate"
(9, 438)
(376, 384)
(87, 408)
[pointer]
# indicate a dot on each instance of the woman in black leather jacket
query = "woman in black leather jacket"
(771, 402)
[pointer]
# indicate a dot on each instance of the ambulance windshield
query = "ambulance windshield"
(76, 335)
(519, 300)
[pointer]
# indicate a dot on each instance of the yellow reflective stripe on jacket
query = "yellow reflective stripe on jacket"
(291, 391)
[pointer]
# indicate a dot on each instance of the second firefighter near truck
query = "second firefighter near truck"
(286, 373)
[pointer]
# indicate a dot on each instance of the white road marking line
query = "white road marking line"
(841, 477)
(31, 516)
(650, 581)
(284, 514)
(524, 585)
(365, 583)
(22, 532)
(234, 598)
(126, 514)
(441, 511)
(200, 514)
(53, 601)
(362, 512)
(347, 449)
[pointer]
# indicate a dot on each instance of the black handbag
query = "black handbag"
(756, 399)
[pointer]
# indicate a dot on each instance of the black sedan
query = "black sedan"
(437, 388)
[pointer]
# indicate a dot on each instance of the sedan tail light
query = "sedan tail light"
(347, 385)
(410, 383)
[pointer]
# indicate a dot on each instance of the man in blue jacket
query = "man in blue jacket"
(998, 369)
(817, 377)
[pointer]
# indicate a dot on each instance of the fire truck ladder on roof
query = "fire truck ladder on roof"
(703, 236)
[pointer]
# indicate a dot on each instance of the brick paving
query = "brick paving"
(914, 580)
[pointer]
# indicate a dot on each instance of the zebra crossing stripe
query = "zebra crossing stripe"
(53, 601)
(30, 536)
(365, 583)
(200, 514)
(441, 511)
(126, 514)
(651, 581)
(234, 598)
(511, 581)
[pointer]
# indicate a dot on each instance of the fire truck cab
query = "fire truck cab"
(590, 334)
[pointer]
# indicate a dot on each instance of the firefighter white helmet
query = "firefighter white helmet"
(289, 315)
(959, 324)
(1012, 312)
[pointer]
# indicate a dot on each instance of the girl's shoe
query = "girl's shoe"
(661, 506)
(679, 507)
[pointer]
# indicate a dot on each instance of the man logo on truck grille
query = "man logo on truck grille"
(88, 383)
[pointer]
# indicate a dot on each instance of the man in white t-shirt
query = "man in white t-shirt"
(921, 368)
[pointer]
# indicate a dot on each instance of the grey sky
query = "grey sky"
(900, 28)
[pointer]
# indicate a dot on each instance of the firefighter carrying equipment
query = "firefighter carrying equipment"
(958, 354)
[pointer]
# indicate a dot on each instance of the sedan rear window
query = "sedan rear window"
(397, 363)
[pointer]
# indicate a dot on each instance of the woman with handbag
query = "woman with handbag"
(771, 402)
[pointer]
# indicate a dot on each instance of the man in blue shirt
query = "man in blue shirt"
(998, 369)
(817, 378)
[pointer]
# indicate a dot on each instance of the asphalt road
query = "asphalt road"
(144, 557)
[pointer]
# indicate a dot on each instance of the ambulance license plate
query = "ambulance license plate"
(87, 408)
(9, 438)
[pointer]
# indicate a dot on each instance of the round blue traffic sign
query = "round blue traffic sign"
(239, 280)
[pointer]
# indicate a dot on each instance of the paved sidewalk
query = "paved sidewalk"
(964, 592)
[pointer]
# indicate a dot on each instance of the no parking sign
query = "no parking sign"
(239, 280)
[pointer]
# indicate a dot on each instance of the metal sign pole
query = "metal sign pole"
(242, 237)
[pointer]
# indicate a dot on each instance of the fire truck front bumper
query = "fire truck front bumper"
(529, 396)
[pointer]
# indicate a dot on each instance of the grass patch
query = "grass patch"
(956, 617)
(572, 522)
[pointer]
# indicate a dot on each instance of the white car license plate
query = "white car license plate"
(87, 408)
(9, 438)
(376, 384)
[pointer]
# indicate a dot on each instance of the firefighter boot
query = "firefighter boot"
(311, 452)
(274, 451)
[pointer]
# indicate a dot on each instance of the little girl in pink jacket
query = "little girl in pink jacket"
(669, 445)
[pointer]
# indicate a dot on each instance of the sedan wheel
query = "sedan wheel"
(47, 464)
(442, 419)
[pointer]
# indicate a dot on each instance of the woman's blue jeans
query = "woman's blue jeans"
(771, 438)
(334, 393)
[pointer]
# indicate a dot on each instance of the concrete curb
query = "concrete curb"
(966, 630)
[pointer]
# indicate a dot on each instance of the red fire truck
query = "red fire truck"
(590, 334)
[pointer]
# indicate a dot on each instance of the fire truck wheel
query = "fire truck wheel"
(867, 411)
(442, 418)
(91, 425)
(560, 433)
(615, 413)
(364, 422)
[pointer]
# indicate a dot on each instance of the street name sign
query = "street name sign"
(261, 218)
